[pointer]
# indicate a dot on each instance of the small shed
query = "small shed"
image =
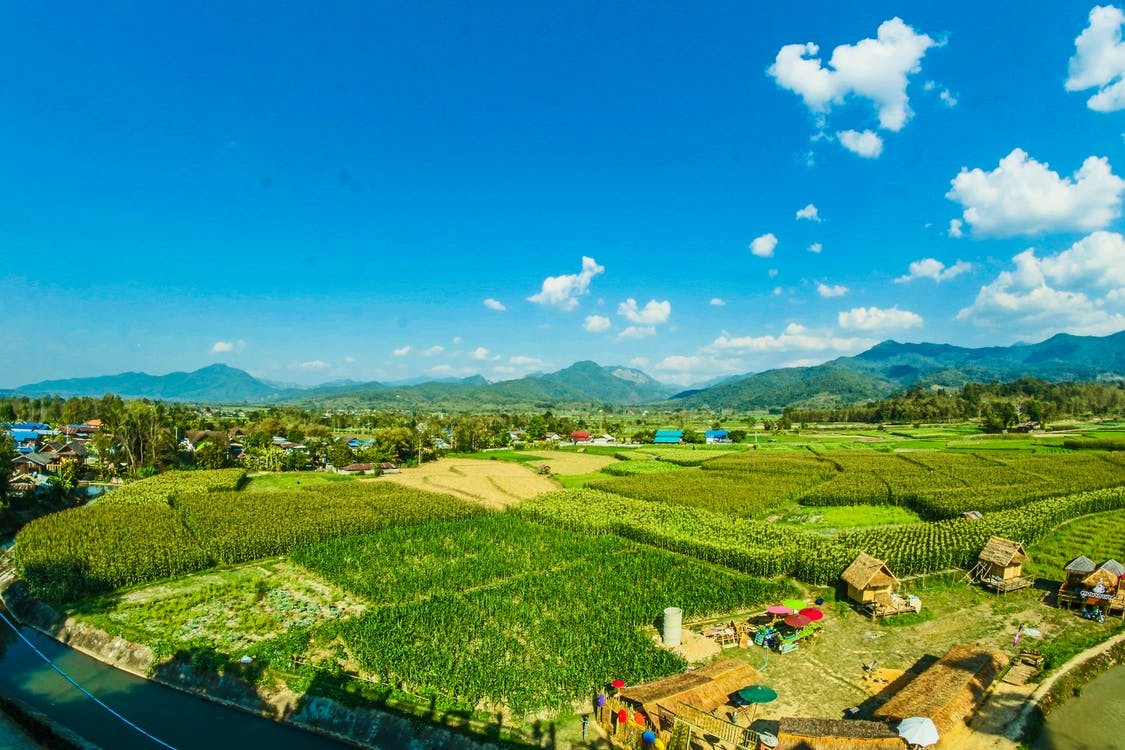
(868, 578)
(713, 437)
(668, 437)
(1076, 570)
(580, 436)
(1000, 565)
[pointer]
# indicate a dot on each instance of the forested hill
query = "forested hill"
(892, 367)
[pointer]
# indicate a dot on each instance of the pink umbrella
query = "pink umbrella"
(812, 613)
(618, 684)
(797, 621)
(778, 609)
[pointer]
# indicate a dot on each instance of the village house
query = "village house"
(668, 437)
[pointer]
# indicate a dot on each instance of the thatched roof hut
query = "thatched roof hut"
(1004, 557)
(949, 690)
(1079, 568)
(836, 734)
(1108, 577)
(706, 688)
(868, 579)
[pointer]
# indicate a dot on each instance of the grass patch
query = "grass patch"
(835, 518)
(294, 480)
(1100, 536)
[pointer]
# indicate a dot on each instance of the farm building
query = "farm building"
(1101, 588)
(713, 437)
(706, 689)
(1075, 571)
(795, 733)
(673, 437)
(580, 436)
(872, 584)
(358, 469)
(949, 690)
(1000, 565)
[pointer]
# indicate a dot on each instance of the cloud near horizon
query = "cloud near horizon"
(878, 320)
(226, 347)
(931, 268)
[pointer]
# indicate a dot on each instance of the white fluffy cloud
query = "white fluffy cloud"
(877, 320)
(597, 323)
(718, 302)
(637, 332)
(1023, 196)
(651, 314)
(815, 247)
(222, 347)
(482, 354)
(402, 351)
(955, 230)
(433, 351)
(764, 246)
(835, 290)
(562, 291)
(1081, 290)
(810, 213)
(1099, 60)
(795, 338)
(495, 304)
(315, 364)
(520, 360)
(867, 144)
(873, 69)
(931, 268)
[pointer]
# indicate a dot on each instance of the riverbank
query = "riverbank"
(355, 726)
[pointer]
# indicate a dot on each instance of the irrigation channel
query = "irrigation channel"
(181, 720)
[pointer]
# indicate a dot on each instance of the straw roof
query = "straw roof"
(1080, 564)
(1101, 575)
(866, 571)
(792, 726)
(949, 690)
(706, 688)
(1003, 552)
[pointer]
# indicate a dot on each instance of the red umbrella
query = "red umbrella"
(797, 621)
(812, 613)
(618, 684)
(778, 609)
(622, 716)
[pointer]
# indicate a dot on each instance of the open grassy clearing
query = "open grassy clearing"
(492, 484)
(834, 519)
(289, 481)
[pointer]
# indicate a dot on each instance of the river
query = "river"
(1094, 720)
(184, 721)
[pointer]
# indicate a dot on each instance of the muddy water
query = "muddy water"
(1095, 720)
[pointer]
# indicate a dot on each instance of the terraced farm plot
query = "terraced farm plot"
(1099, 537)
(493, 484)
(570, 462)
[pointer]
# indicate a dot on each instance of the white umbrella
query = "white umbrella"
(918, 730)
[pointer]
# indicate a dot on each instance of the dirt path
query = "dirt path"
(1001, 719)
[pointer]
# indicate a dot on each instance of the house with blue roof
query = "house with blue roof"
(713, 437)
(668, 437)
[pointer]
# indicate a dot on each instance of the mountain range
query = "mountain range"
(885, 369)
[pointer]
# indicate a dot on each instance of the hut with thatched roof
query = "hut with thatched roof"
(1103, 587)
(1000, 565)
(949, 690)
(706, 688)
(836, 734)
(872, 584)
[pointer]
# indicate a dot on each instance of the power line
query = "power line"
(86, 692)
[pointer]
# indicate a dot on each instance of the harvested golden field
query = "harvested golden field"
(570, 463)
(496, 484)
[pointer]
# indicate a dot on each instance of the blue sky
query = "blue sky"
(385, 190)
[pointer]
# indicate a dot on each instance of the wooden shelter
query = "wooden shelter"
(1000, 566)
(872, 584)
(949, 690)
(1104, 588)
(836, 734)
(1077, 571)
(706, 688)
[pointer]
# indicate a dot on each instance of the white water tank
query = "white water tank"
(673, 621)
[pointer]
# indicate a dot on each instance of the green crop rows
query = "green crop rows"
(162, 488)
(498, 611)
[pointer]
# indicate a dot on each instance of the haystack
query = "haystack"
(949, 690)
(836, 734)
